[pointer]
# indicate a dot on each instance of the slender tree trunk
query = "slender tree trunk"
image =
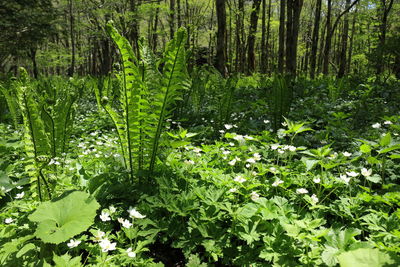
(328, 38)
(330, 30)
(267, 43)
(343, 50)
(353, 30)
(263, 63)
(178, 6)
(134, 27)
(221, 18)
(385, 9)
(281, 55)
(315, 36)
(251, 60)
(155, 28)
(71, 25)
(292, 27)
(171, 19)
(32, 55)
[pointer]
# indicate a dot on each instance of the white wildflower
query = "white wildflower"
(277, 182)
(251, 160)
(387, 122)
(257, 156)
(131, 253)
(301, 191)
(228, 126)
(106, 245)
(99, 236)
(317, 180)
(274, 146)
(20, 195)
(376, 125)
(189, 162)
(112, 209)
(314, 198)
(239, 179)
(135, 214)
(344, 178)
(126, 224)
(105, 216)
(233, 190)
(73, 243)
(352, 174)
(254, 196)
(239, 138)
(366, 172)
(346, 154)
(8, 220)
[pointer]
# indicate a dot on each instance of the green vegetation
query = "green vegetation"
(159, 159)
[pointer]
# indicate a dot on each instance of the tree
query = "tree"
(221, 37)
(281, 55)
(294, 8)
(251, 58)
(315, 37)
(24, 24)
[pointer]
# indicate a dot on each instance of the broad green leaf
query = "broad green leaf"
(66, 261)
(390, 148)
(385, 140)
(365, 148)
(376, 178)
(309, 163)
(366, 257)
(60, 220)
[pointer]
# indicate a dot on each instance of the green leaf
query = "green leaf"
(390, 148)
(376, 178)
(309, 163)
(366, 257)
(66, 261)
(64, 218)
(364, 148)
(385, 140)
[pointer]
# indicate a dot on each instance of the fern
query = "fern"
(47, 111)
(280, 100)
(145, 99)
(12, 104)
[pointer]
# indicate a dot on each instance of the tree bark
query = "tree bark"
(251, 61)
(343, 50)
(281, 56)
(385, 7)
(292, 27)
(221, 56)
(315, 37)
(330, 32)
(171, 19)
(71, 24)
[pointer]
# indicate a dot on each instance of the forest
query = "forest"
(200, 133)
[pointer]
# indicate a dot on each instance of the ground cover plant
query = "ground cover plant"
(164, 160)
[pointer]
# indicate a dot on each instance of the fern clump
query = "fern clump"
(148, 91)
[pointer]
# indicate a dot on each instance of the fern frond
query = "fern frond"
(174, 79)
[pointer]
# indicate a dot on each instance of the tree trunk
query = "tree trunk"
(171, 19)
(221, 56)
(32, 55)
(178, 6)
(343, 50)
(134, 28)
(281, 56)
(251, 61)
(71, 24)
(382, 35)
(263, 64)
(315, 37)
(155, 28)
(330, 32)
(353, 30)
(292, 27)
